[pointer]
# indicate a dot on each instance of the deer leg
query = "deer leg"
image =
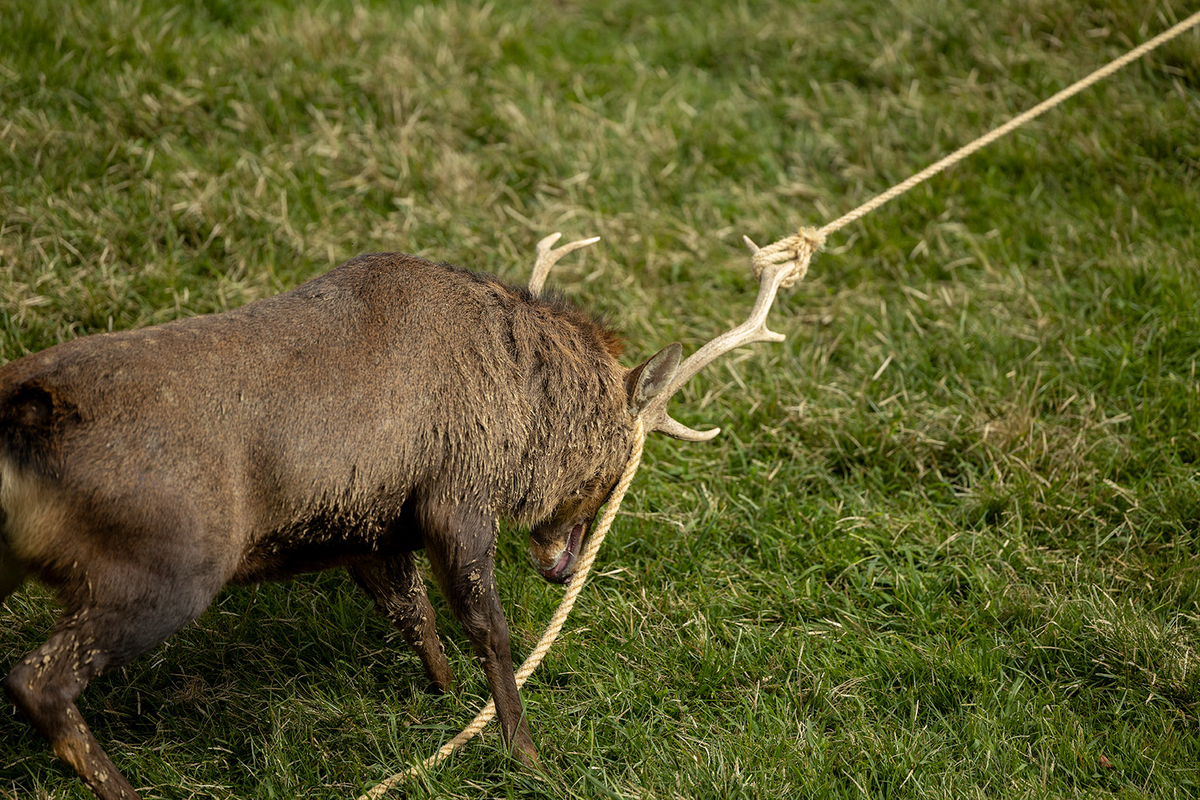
(90, 640)
(396, 586)
(462, 549)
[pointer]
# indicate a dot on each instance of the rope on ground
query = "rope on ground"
(799, 249)
(556, 622)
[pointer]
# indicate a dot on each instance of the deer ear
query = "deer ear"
(652, 376)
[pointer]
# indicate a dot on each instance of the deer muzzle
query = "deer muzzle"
(557, 565)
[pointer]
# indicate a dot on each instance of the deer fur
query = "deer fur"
(388, 406)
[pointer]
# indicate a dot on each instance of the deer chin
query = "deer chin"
(561, 564)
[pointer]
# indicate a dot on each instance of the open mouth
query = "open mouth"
(562, 569)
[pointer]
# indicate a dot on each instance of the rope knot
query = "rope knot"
(797, 249)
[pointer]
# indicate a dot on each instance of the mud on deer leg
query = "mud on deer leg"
(396, 586)
(135, 614)
(44, 686)
(461, 549)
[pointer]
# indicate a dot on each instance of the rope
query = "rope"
(799, 249)
(556, 622)
(801, 245)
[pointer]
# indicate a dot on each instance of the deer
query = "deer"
(389, 406)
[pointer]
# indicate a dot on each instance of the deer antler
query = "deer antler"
(547, 258)
(779, 264)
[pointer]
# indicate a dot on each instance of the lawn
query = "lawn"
(948, 543)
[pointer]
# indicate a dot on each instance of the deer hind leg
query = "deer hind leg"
(44, 686)
(91, 639)
(396, 586)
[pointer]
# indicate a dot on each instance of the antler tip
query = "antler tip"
(677, 430)
(548, 242)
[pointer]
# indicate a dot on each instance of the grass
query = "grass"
(948, 544)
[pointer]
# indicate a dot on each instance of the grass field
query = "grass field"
(948, 544)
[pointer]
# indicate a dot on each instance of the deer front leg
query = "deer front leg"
(396, 586)
(462, 550)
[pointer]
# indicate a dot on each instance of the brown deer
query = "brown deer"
(390, 405)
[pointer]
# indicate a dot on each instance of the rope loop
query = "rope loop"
(797, 249)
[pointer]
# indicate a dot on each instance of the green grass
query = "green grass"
(949, 542)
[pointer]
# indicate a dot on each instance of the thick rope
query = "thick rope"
(799, 249)
(556, 622)
(809, 240)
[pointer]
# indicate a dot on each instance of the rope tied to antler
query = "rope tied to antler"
(798, 248)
